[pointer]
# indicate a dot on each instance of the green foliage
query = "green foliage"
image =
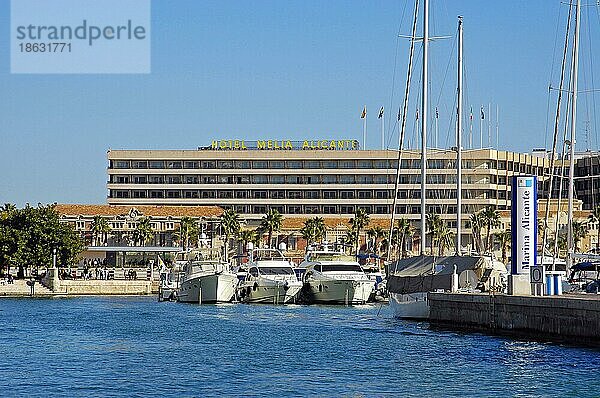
(29, 235)
(143, 232)
(314, 230)
(357, 223)
(187, 232)
(504, 238)
(271, 222)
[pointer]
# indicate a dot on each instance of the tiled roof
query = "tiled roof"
(295, 223)
(154, 211)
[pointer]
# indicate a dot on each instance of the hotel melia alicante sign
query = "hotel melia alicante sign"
(523, 224)
(231, 145)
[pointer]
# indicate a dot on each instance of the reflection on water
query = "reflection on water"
(120, 346)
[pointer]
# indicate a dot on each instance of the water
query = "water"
(137, 347)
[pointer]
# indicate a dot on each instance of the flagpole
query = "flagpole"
(497, 125)
(382, 128)
(471, 129)
(490, 124)
(481, 128)
(365, 129)
(436, 127)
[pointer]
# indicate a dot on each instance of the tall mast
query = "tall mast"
(424, 122)
(459, 112)
(574, 72)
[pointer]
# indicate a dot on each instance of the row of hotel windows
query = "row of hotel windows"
(121, 225)
(306, 179)
(348, 209)
(324, 164)
(306, 194)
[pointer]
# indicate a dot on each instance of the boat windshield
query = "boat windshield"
(330, 257)
(339, 268)
(276, 271)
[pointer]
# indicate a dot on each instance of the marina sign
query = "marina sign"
(241, 145)
(523, 224)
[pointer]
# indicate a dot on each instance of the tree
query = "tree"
(246, 235)
(445, 238)
(357, 223)
(100, 227)
(313, 230)
(476, 222)
(188, 231)
(271, 222)
(491, 218)
(580, 230)
(503, 239)
(376, 233)
(594, 218)
(435, 226)
(230, 224)
(143, 232)
(351, 238)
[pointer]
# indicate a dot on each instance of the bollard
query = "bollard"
(549, 285)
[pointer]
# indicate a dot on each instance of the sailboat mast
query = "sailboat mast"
(459, 112)
(424, 122)
(574, 73)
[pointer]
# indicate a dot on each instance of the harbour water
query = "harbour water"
(135, 346)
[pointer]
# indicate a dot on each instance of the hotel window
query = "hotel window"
(277, 179)
(277, 195)
(208, 194)
(169, 226)
(260, 194)
(121, 164)
(277, 164)
(329, 179)
(364, 179)
(156, 194)
(329, 210)
(368, 209)
(80, 224)
(347, 209)
(191, 194)
(365, 164)
(311, 195)
(260, 179)
(191, 179)
(241, 194)
(401, 210)
(294, 164)
(346, 179)
(190, 165)
(329, 194)
(156, 179)
(381, 179)
(365, 194)
(242, 164)
(415, 209)
(312, 164)
(139, 179)
(312, 179)
(347, 194)
(294, 194)
(381, 209)
(208, 179)
(122, 194)
(310, 209)
(173, 165)
(347, 164)
(294, 210)
(278, 208)
(225, 194)
(393, 164)
(382, 194)
(139, 194)
(243, 180)
(173, 194)
(225, 179)
(259, 209)
(259, 164)
(225, 164)
(380, 164)
(330, 164)
(156, 164)
(174, 179)
(123, 179)
(293, 179)
(209, 164)
(241, 209)
(402, 193)
(139, 164)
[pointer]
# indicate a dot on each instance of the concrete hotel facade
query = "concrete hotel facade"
(308, 182)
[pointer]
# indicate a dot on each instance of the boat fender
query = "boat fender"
(242, 293)
(286, 286)
(255, 286)
(320, 288)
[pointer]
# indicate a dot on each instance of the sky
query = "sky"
(272, 69)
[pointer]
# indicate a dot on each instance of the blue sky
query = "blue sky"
(280, 70)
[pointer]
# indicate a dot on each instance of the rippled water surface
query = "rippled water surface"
(135, 346)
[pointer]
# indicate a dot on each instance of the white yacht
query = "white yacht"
(269, 278)
(333, 277)
(170, 280)
(207, 279)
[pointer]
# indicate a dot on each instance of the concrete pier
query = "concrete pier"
(572, 318)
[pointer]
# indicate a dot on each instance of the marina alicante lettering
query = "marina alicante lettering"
(284, 145)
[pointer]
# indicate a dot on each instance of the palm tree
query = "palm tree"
(376, 233)
(580, 230)
(503, 238)
(405, 229)
(445, 238)
(476, 222)
(99, 227)
(143, 232)
(435, 226)
(271, 222)
(245, 236)
(313, 230)
(594, 217)
(491, 218)
(351, 237)
(230, 224)
(358, 222)
(188, 230)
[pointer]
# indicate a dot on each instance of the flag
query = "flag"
(417, 113)
(399, 113)
(471, 114)
(482, 114)
(380, 113)
(437, 115)
(364, 113)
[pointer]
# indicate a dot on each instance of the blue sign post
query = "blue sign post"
(523, 224)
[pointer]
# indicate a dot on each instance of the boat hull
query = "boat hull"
(212, 288)
(339, 291)
(266, 291)
(409, 306)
